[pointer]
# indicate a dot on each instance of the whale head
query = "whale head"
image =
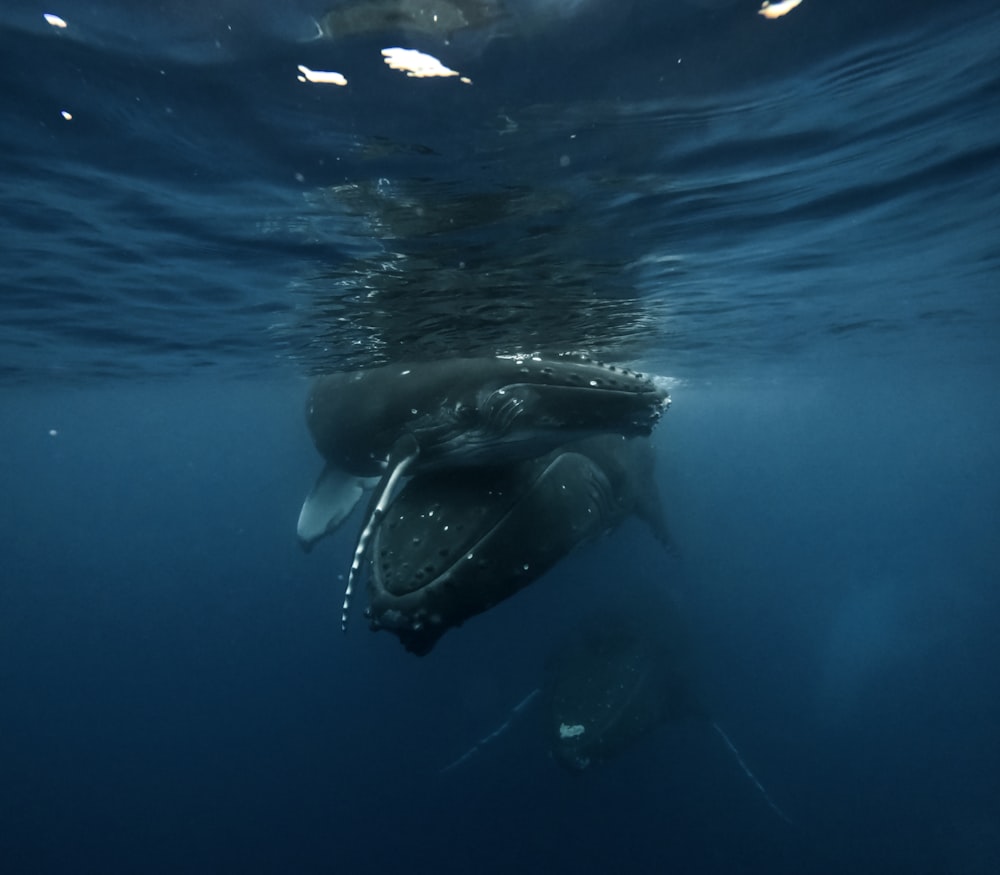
(465, 412)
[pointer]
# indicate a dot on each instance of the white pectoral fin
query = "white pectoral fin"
(404, 453)
(329, 503)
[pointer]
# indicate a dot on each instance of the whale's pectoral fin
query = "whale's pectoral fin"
(649, 508)
(328, 504)
(403, 454)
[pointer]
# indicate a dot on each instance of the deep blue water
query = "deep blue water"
(797, 220)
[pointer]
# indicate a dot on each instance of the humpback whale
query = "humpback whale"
(373, 427)
(614, 680)
(454, 543)
(611, 682)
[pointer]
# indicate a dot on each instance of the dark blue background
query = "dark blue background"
(800, 223)
(177, 695)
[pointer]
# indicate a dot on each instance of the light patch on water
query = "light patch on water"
(323, 77)
(419, 65)
(882, 633)
(777, 10)
(862, 643)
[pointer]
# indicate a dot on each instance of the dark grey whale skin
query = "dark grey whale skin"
(476, 411)
(377, 427)
(454, 543)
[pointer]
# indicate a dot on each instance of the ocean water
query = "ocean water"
(795, 219)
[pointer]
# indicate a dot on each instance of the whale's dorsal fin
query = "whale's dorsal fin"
(329, 502)
(403, 454)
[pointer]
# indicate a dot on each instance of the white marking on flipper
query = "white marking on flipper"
(380, 501)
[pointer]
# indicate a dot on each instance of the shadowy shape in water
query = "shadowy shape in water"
(614, 680)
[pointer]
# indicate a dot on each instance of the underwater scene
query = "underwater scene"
(500, 435)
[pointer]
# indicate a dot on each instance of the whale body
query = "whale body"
(460, 413)
(454, 543)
